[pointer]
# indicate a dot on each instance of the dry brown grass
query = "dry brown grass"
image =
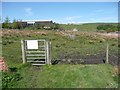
(23, 32)
(93, 35)
(116, 70)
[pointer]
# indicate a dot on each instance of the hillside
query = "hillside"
(84, 27)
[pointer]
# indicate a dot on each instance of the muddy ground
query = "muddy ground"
(86, 59)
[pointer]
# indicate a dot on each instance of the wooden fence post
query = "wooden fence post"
(48, 44)
(107, 53)
(50, 52)
(47, 47)
(23, 51)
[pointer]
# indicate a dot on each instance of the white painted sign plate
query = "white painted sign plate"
(32, 44)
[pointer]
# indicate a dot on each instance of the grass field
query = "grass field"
(58, 76)
(67, 76)
(89, 27)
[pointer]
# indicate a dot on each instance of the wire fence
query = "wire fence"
(83, 54)
(89, 55)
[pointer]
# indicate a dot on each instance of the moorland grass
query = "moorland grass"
(58, 76)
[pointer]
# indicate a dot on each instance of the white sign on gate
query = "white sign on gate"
(32, 44)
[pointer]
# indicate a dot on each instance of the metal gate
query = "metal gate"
(36, 51)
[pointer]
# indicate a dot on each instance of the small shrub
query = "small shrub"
(116, 70)
(10, 42)
(108, 28)
(28, 35)
(4, 43)
(44, 34)
(57, 45)
(114, 44)
(91, 42)
(9, 79)
(118, 45)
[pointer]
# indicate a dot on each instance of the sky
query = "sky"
(62, 12)
(60, 0)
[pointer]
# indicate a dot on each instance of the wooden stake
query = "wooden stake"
(23, 51)
(107, 53)
(47, 47)
(50, 52)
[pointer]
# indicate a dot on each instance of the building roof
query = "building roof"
(34, 20)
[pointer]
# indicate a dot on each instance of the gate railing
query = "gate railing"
(37, 55)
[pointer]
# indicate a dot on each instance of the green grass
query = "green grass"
(58, 76)
(84, 27)
(67, 76)
(60, 44)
